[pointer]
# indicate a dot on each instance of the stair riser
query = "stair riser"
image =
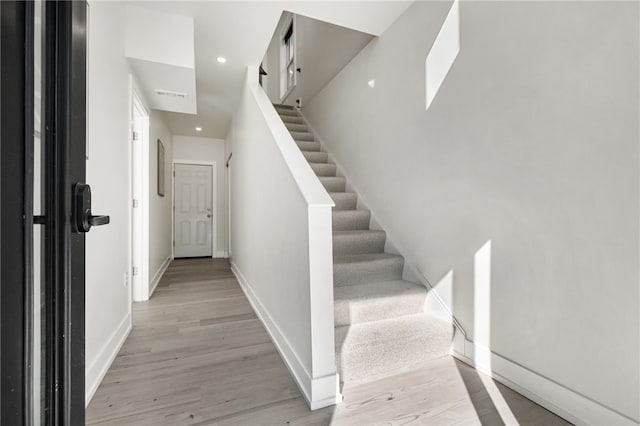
(308, 146)
(324, 169)
(292, 119)
(333, 184)
(347, 312)
(303, 136)
(287, 112)
(358, 273)
(315, 157)
(292, 127)
(362, 355)
(344, 200)
(344, 245)
(350, 220)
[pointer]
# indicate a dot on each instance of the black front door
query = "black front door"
(45, 210)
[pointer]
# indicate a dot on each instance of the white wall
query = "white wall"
(187, 148)
(160, 49)
(532, 144)
(160, 208)
(108, 292)
(108, 301)
(281, 241)
(322, 50)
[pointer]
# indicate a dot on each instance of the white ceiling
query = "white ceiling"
(240, 31)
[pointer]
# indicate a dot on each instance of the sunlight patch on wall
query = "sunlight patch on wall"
(482, 307)
(443, 53)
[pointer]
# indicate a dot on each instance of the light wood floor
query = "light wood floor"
(199, 355)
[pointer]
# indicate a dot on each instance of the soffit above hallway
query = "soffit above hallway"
(160, 49)
(241, 31)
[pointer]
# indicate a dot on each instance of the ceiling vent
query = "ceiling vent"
(170, 94)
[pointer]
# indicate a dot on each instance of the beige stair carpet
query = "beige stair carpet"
(380, 319)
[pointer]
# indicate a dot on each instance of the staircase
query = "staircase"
(380, 321)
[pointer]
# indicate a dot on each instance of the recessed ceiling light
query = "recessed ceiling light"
(198, 129)
(222, 59)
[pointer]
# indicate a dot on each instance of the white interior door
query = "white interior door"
(193, 210)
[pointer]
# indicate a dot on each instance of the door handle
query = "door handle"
(98, 220)
(209, 215)
(84, 220)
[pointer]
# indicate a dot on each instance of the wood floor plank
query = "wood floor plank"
(198, 354)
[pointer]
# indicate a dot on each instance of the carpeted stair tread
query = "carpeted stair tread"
(377, 301)
(308, 146)
(323, 169)
(358, 242)
(366, 268)
(297, 127)
(288, 112)
(350, 220)
(333, 183)
(303, 136)
(344, 200)
(292, 119)
(316, 156)
(379, 347)
(284, 106)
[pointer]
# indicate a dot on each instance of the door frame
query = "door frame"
(284, 92)
(16, 132)
(214, 205)
(139, 170)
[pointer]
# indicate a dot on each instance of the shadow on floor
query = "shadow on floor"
(496, 404)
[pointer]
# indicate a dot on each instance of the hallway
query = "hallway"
(198, 354)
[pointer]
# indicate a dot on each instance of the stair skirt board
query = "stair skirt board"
(380, 321)
(318, 392)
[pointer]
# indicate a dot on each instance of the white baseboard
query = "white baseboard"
(158, 275)
(221, 253)
(98, 368)
(566, 403)
(319, 392)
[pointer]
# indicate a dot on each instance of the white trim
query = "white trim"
(282, 62)
(221, 253)
(159, 273)
(324, 389)
(214, 202)
(140, 287)
(287, 93)
(99, 367)
(571, 405)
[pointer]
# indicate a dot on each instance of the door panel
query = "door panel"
(14, 267)
(194, 213)
(65, 154)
